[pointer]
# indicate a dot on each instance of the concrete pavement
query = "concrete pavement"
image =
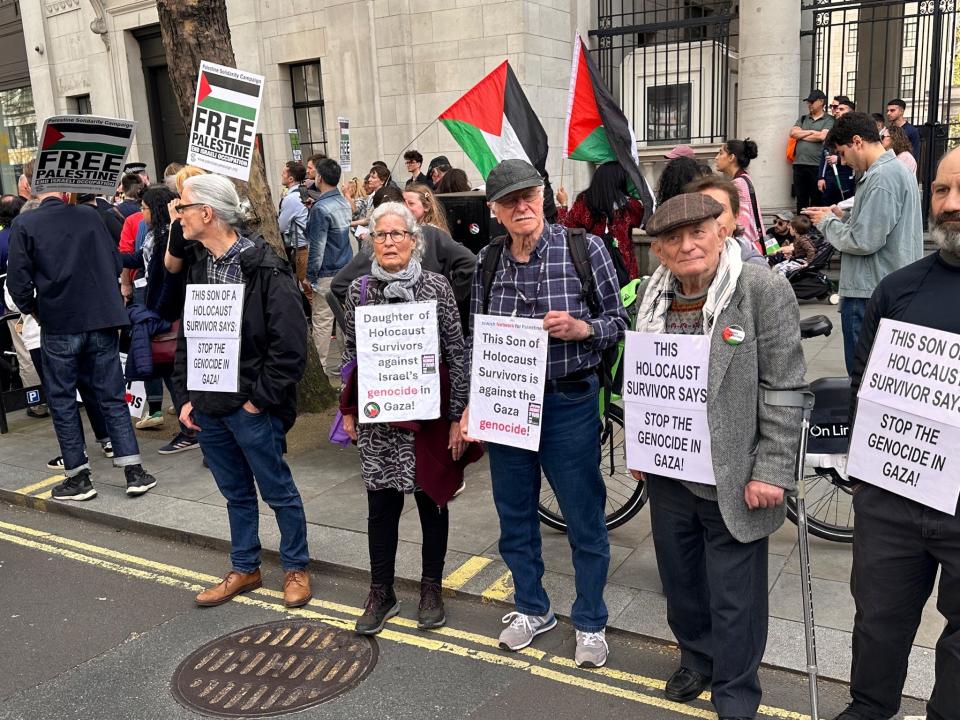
(186, 504)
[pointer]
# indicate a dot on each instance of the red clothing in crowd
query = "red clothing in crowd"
(625, 219)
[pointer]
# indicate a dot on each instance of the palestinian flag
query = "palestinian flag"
(597, 130)
(494, 122)
(228, 95)
(86, 137)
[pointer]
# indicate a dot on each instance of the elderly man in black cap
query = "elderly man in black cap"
(533, 275)
(810, 131)
(710, 526)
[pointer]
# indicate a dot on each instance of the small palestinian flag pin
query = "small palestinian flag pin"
(733, 335)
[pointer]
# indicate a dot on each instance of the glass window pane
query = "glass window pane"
(316, 124)
(313, 82)
(297, 83)
(302, 119)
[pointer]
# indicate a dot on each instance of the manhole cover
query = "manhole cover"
(273, 669)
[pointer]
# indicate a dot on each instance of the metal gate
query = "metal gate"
(876, 50)
(673, 65)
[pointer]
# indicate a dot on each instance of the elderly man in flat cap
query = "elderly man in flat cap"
(710, 530)
(533, 275)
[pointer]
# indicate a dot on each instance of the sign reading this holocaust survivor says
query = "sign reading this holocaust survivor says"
(82, 154)
(907, 429)
(223, 131)
(506, 380)
(398, 362)
(665, 405)
(212, 318)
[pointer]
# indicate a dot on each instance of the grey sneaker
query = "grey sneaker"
(524, 628)
(591, 649)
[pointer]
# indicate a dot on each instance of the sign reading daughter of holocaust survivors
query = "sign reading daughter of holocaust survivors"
(212, 316)
(398, 362)
(224, 127)
(665, 405)
(507, 376)
(907, 428)
(82, 154)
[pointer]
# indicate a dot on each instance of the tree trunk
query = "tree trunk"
(195, 30)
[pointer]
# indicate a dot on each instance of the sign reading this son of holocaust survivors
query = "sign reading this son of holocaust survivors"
(665, 405)
(507, 375)
(398, 362)
(224, 127)
(82, 154)
(907, 428)
(212, 317)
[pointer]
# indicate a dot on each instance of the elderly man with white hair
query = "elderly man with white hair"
(242, 432)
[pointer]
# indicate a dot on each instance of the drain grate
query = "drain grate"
(273, 669)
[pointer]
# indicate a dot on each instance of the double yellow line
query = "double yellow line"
(30, 489)
(447, 639)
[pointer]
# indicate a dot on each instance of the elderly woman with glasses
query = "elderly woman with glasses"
(399, 459)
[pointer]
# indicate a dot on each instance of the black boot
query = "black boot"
(381, 605)
(430, 614)
(138, 480)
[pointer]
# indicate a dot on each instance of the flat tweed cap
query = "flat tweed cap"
(680, 210)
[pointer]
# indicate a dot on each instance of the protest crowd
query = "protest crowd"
(442, 355)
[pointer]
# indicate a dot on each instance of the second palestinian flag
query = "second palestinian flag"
(493, 121)
(597, 130)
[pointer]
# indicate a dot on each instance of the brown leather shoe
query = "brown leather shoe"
(296, 588)
(233, 584)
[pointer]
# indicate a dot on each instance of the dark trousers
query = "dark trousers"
(97, 423)
(91, 360)
(383, 523)
(897, 547)
(805, 179)
(852, 311)
(245, 452)
(716, 589)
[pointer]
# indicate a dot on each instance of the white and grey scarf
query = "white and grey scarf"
(660, 292)
(399, 285)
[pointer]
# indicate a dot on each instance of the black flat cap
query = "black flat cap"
(680, 210)
(438, 161)
(509, 176)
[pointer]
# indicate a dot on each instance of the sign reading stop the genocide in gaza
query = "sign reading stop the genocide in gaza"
(224, 128)
(81, 154)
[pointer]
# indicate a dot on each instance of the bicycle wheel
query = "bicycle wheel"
(625, 496)
(829, 506)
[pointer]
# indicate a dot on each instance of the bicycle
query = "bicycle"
(829, 504)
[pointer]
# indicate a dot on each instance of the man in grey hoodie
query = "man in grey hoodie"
(882, 233)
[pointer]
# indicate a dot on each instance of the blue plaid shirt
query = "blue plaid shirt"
(549, 281)
(226, 268)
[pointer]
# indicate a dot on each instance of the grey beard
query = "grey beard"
(945, 239)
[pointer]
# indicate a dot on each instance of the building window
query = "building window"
(18, 134)
(80, 105)
(668, 113)
(910, 33)
(906, 81)
(851, 85)
(307, 86)
(852, 38)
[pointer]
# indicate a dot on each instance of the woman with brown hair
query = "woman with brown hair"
(425, 206)
(896, 139)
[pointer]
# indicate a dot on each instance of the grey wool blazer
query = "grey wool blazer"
(751, 440)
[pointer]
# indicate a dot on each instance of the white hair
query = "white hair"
(410, 222)
(944, 235)
(219, 193)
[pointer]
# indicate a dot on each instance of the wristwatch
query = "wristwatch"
(591, 331)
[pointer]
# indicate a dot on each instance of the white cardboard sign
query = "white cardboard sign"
(506, 380)
(665, 405)
(82, 154)
(398, 362)
(223, 131)
(212, 316)
(907, 429)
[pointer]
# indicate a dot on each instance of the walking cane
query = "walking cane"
(836, 176)
(803, 400)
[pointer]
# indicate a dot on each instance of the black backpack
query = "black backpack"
(580, 254)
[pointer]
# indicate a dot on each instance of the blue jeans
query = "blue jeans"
(241, 449)
(569, 456)
(90, 360)
(97, 423)
(852, 311)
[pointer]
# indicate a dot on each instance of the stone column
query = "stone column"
(769, 93)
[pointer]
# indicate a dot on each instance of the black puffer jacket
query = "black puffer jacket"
(273, 339)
